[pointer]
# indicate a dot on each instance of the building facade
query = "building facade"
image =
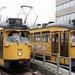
(65, 10)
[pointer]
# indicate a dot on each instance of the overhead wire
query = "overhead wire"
(33, 1)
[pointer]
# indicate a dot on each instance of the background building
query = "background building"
(65, 10)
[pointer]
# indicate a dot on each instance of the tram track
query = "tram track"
(22, 71)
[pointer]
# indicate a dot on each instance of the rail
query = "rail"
(57, 61)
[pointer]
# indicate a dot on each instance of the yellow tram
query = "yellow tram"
(14, 43)
(56, 38)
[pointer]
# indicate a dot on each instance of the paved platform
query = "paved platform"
(48, 69)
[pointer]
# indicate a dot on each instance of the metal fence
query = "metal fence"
(57, 61)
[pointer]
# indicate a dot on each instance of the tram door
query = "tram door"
(64, 40)
(54, 44)
(59, 44)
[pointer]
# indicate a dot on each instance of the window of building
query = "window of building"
(57, 19)
(61, 18)
(73, 16)
(60, 7)
(57, 8)
(72, 3)
(68, 4)
(67, 17)
(64, 17)
(65, 5)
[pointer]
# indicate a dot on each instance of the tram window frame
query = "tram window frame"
(45, 35)
(37, 37)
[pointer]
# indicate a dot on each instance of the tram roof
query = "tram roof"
(6, 25)
(60, 24)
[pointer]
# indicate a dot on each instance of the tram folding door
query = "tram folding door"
(59, 44)
(64, 47)
(64, 42)
(54, 44)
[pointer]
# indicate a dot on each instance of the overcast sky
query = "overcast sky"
(45, 9)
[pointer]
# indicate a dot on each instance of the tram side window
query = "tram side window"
(36, 37)
(73, 37)
(31, 37)
(45, 36)
(66, 37)
(55, 37)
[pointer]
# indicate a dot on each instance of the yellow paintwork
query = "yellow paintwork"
(11, 52)
(59, 30)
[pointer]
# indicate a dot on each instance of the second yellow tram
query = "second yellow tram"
(55, 38)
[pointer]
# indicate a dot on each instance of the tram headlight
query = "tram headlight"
(19, 53)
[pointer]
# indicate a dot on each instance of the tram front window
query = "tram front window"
(17, 37)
